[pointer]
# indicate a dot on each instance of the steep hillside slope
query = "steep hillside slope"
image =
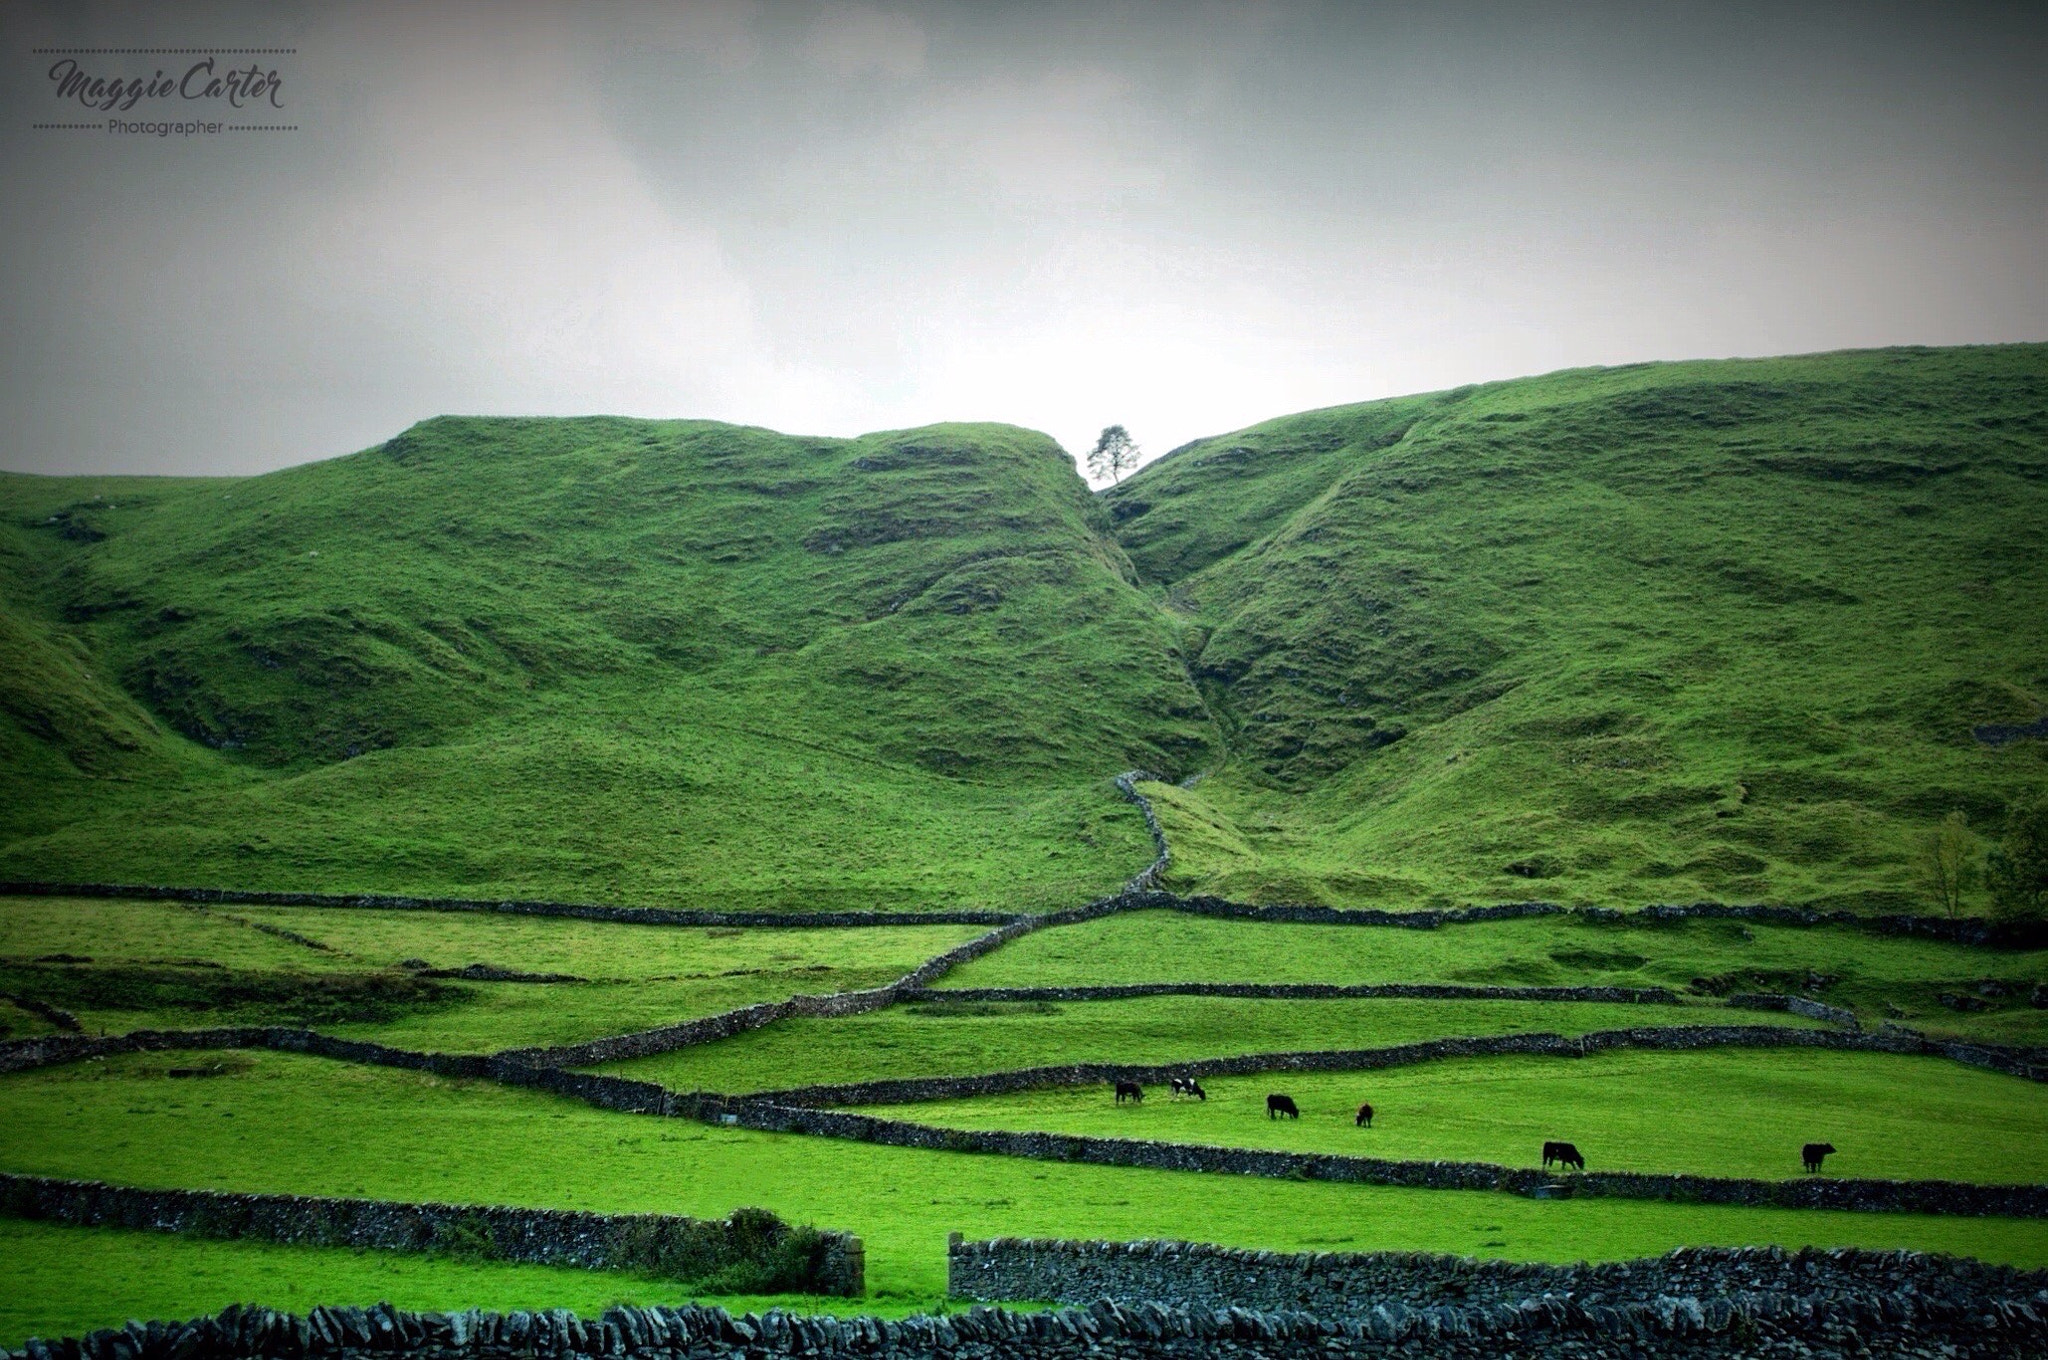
(1650, 633)
(596, 658)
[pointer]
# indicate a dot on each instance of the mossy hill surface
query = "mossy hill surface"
(601, 659)
(1663, 632)
(1656, 633)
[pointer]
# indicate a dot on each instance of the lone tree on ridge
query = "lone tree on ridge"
(1114, 454)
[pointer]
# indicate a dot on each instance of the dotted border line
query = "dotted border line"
(262, 127)
(83, 127)
(163, 51)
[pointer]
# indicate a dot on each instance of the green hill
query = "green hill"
(1653, 633)
(599, 658)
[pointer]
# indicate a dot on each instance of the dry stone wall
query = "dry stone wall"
(1302, 991)
(1758, 1325)
(893, 1091)
(1195, 1275)
(1813, 1192)
(806, 1261)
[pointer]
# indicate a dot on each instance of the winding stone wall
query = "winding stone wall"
(1345, 1284)
(1759, 1325)
(643, 1242)
(901, 1090)
(1302, 991)
(658, 916)
(1139, 894)
(1814, 1192)
(777, 1113)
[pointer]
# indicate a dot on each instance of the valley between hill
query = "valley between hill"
(1655, 633)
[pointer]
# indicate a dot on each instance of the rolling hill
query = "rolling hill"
(1660, 632)
(1657, 633)
(602, 659)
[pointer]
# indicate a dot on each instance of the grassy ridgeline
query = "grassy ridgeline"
(1651, 633)
(1659, 632)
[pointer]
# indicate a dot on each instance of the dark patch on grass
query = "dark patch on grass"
(226, 994)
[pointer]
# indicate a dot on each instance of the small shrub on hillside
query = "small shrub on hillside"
(2016, 870)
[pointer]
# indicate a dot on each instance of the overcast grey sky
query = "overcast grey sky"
(834, 218)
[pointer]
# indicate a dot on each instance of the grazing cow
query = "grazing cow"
(1364, 1120)
(1563, 1153)
(1278, 1105)
(1188, 1086)
(1812, 1153)
(1129, 1090)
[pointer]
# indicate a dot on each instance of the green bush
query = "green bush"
(2016, 869)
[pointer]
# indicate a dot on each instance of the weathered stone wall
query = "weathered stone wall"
(1811, 1192)
(820, 1262)
(1139, 894)
(1759, 1325)
(1795, 1005)
(892, 1091)
(1302, 991)
(1345, 1284)
(659, 916)
(781, 1112)
(1146, 879)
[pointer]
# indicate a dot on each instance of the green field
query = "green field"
(1710, 1113)
(960, 1039)
(152, 965)
(152, 1275)
(287, 1124)
(1877, 976)
(1666, 632)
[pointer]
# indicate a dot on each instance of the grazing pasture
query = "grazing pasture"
(280, 1123)
(1715, 1112)
(963, 1038)
(120, 966)
(1852, 968)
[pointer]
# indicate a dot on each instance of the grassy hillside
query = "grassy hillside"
(599, 658)
(1660, 632)
(1651, 633)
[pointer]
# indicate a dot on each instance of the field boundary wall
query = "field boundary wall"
(648, 1243)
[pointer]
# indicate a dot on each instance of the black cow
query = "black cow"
(1812, 1153)
(1279, 1105)
(1364, 1120)
(1563, 1153)
(1129, 1090)
(1188, 1086)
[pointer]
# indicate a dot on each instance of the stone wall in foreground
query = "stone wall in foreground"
(1344, 1284)
(752, 1242)
(1756, 1325)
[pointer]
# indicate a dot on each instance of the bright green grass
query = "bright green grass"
(1651, 633)
(947, 1040)
(145, 932)
(1548, 951)
(788, 960)
(1868, 972)
(60, 1281)
(65, 1281)
(636, 976)
(288, 1124)
(652, 661)
(1708, 1113)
